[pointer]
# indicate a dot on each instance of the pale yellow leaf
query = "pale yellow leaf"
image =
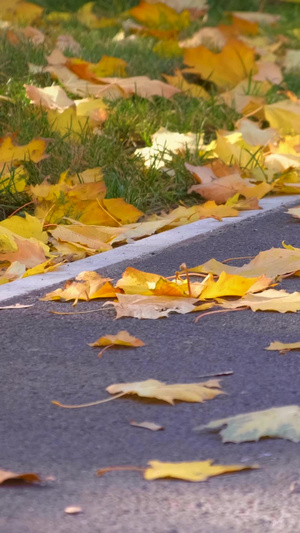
(277, 422)
(185, 392)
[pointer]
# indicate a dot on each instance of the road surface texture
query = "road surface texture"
(45, 357)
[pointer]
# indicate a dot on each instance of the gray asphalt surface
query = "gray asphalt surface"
(46, 357)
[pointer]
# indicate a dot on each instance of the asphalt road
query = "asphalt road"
(46, 357)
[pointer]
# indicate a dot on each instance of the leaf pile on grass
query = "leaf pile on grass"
(112, 117)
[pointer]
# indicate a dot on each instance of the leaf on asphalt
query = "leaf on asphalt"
(191, 471)
(72, 509)
(269, 300)
(273, 262)
(6, 477)
(86, 286)
(277, 422)
(232, 285)
(294, 211)
(16, 306)
(147, 425)
(283, 347)
(184, 392)
(122, 339)
(151, 307)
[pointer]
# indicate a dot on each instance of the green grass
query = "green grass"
(131, 122)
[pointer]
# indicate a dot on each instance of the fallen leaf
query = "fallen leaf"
(147, 425)
(26, 226)
(73, 509)
(185, 392)
(232, 285)
(67, 42)
(273, 262)
(159, 15)
(121, 339)
(227, 68)
(53, 97)
(151, 307)
(86, 286)
(7, 476)
(191, 471)
(277, 422)
(284, 116)
(10, 152)
(283, 347)
(269, 300)
(16, 306)
(163, 142)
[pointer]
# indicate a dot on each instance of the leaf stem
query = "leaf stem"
(87, 404)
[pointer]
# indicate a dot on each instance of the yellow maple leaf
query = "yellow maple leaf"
(190, 471)
(10, 152)
(121, 340)
(232, 285)
(160, 16)
(27, 226)
(185, 392)
(233, 64)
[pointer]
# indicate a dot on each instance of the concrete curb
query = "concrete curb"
(137, 250)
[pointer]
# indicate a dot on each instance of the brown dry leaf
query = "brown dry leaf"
(6, 476)
(151, 307)
(269, 300)
(283, 347)
(185, 392)
(233, 64)
(191, 471)
(147, 425)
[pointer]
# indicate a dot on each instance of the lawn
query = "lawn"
(129, 122)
